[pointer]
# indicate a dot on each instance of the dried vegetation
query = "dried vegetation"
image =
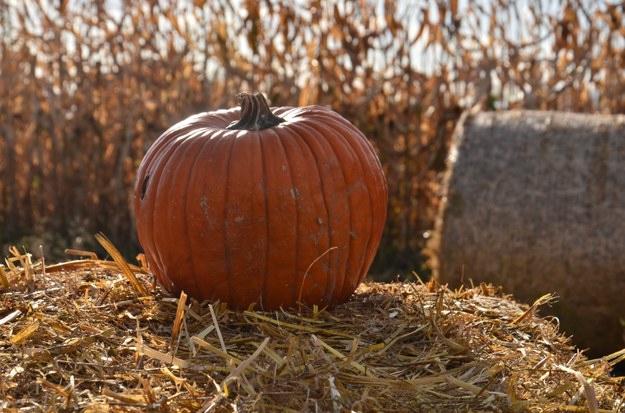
(85, 87)
(85, 335)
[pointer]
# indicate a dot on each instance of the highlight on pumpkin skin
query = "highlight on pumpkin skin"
(255, 114)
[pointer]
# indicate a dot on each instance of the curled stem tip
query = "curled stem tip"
(255, 114)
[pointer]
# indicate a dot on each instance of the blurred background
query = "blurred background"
(86, 87)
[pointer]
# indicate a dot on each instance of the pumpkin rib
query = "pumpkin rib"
(287, 141)
(300, 277)
(324, 119)
(227, 252)
(147, 169)
(271, 145)
(285, 112)
(306, 138)
(206, 137)
(325, 147)
(181, 149)
(356, 148)
(360, 148)
(261, 153)
(211, 197)
(165, 139)
(245, 216)
(375, 185)
(191, 152)
(308, 281)
(150, 201)
(158, 165)
(345, 155)
(280, 235)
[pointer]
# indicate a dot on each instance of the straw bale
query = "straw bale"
(535, 202)
(83, 337)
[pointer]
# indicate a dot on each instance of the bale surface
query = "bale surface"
(535, 202)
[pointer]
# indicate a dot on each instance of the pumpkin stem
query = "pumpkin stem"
(255, 114)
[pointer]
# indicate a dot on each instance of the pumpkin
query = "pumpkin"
(281, 207)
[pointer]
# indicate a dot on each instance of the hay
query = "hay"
(81, 337)
(535, 202)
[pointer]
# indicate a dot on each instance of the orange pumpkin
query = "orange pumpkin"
(282, 207)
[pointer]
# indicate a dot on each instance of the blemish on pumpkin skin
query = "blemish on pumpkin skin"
(144, 186)
(294, 192)
(204, 205)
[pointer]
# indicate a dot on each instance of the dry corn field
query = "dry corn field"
(86, 87)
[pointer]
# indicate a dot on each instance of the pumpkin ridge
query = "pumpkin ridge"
(310, 132)
(276, 151)
(227, 252)
(158, 164)
(359, 149)
(266, 205)
(199, 153)
(213, 282)
(155, 151)
(336, 143)
(180, 148)
(246, 219)
(293, 287)
(365, 154)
